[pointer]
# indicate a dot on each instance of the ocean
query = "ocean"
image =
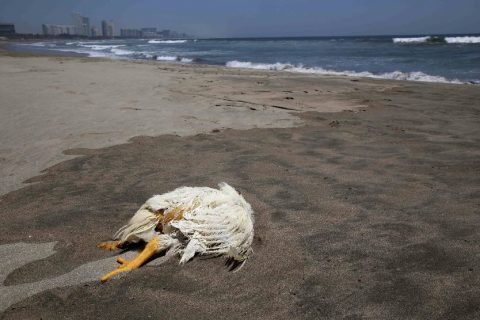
(452, 59)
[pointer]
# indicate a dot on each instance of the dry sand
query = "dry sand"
(50, 104)
(369, 213)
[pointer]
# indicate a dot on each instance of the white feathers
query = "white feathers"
(194, 245)
(201, 220)
(140, 227)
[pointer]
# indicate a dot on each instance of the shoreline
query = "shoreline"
(415, 76)
(7, 48)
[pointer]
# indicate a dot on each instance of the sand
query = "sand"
(64, 103)
(366, 213)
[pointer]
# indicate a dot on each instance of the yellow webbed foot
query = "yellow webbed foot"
(126, 265)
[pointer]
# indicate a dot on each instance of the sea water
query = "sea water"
(454, 59)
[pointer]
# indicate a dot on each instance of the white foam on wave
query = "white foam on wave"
(90, 53)
(167, 58)
(439, 39)
(412, 40)
(101, 47)
(174, 58)
(462, 39)
(38, 44)
(166, 41)
(113, 53)
(81, 43)
(145, 55)
(121, 52)
(396, 75)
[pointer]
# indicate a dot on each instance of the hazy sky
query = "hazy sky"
(243, 18)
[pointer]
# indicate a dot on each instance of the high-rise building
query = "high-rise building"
(82, 24)
(130, 33)
(7, 29)
(94, 32)
(149, 32)
(56, 29)
(165, 33)
(108, 29)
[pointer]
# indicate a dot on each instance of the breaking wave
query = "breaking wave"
(121, 52)
(167, 58)
(89, 53)
(101, 47)
(166, 41)
(411, 40)
(462, 39)
(174, 58)
(396, 75)
(115, 53)
(434, 39)
(38, 44)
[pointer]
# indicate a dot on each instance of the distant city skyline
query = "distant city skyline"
(254, 18)
(82, 27)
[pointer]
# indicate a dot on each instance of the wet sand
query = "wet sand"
(367, 213)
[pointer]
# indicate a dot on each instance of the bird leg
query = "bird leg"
(109, 245)
(150, 249)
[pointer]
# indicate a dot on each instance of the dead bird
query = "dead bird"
(188, 221)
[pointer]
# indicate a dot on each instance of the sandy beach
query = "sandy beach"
(366, 192)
